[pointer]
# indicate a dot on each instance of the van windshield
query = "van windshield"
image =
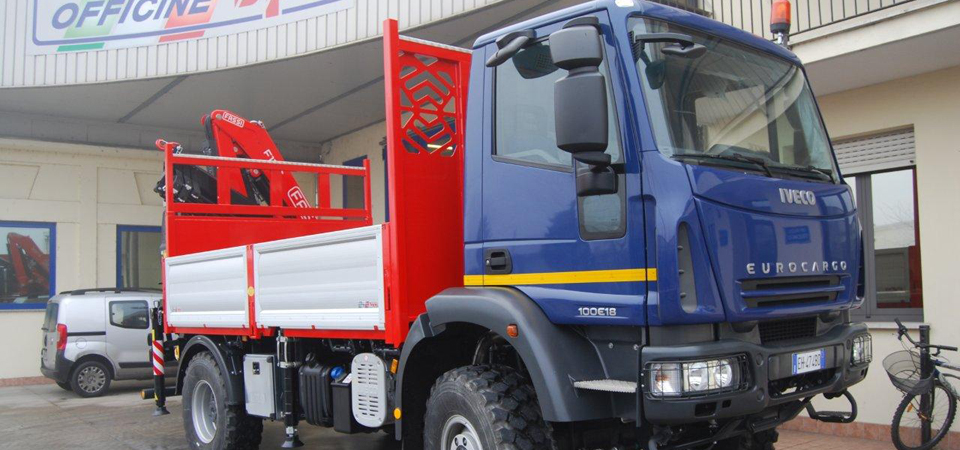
(733, 106)
(50, 318)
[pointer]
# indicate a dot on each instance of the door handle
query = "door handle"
(497, 261)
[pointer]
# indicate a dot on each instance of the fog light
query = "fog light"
(697, 376)
(724, 374)
(861, 351)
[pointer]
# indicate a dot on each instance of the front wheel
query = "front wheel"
(936, 410)
(484, 408)
(210, 423)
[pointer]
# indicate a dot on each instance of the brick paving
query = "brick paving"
(791, 439)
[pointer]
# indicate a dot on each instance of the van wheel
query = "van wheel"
(484, 408)
(90, 379)
(210, 423)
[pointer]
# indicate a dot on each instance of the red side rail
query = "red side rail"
(197, 227)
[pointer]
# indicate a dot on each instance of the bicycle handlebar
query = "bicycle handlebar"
(902, 331)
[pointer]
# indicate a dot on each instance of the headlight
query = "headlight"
(691, 378)
(861, 351)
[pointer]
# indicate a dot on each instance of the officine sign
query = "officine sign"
(84, 25)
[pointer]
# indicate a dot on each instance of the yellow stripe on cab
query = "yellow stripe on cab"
(583, 276)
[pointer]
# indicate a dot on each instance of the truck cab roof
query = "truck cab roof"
(647, 9)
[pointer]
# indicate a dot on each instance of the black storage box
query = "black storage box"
(316, 395)
(343, 421)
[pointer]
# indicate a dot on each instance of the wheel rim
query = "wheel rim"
(91, 379)
(459, 434)
(908, 427)
(204, 410)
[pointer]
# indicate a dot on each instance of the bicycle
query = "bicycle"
(929, 405)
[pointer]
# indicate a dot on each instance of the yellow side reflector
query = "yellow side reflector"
(394, 365)
(397, 414)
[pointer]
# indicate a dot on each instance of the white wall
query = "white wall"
(931, 104)
(87, 191)
(354, 145)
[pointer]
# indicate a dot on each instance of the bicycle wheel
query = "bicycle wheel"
(910, 417)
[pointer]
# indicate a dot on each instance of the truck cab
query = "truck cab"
(616, 225)
(725, 246)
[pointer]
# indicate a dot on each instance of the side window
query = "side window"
(525, 128)
(131, 314)
(526, 133)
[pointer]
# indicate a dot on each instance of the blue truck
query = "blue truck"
(619, 225)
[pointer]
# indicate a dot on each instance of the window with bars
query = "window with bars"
(881, 170)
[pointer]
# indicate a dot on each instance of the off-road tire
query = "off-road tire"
(498, 402)
(763, 440)
(75, 375)
(236, 430)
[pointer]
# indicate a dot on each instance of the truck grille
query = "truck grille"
(785, 330)
(784, 291)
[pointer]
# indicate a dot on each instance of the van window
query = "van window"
(50, 319)
(132, 314)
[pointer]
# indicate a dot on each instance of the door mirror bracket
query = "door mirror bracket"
(580, 102)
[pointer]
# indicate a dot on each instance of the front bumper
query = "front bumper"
(768, 368)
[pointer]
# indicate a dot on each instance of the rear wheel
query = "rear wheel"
(210, 423)
(484, 408)
(90, 379)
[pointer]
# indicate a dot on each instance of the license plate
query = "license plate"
(809, 361)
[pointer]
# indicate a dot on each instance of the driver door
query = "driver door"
(579, 258)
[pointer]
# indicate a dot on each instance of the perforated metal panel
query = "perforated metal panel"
(883, 151)
(369, 392)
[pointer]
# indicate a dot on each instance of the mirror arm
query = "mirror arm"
(682, 39)
(509, 45)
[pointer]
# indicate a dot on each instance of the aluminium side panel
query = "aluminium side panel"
(208, 289)
(328, 281)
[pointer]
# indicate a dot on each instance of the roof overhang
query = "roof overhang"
(306, 99)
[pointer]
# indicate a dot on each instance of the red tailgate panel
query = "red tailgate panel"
(426, 87)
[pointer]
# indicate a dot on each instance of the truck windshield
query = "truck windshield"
(732, 106)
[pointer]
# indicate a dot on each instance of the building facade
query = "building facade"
(77, 126)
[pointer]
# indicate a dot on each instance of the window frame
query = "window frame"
(112, 303)
(574, 165)
(118, 251)
(568, 168)
(52, 229)
(869, 311)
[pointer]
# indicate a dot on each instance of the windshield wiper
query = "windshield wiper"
(812, 170)
(736, 157)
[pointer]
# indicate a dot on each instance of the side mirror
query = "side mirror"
(580, 98)
(580, 103)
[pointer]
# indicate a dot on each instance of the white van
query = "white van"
(94, 336)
